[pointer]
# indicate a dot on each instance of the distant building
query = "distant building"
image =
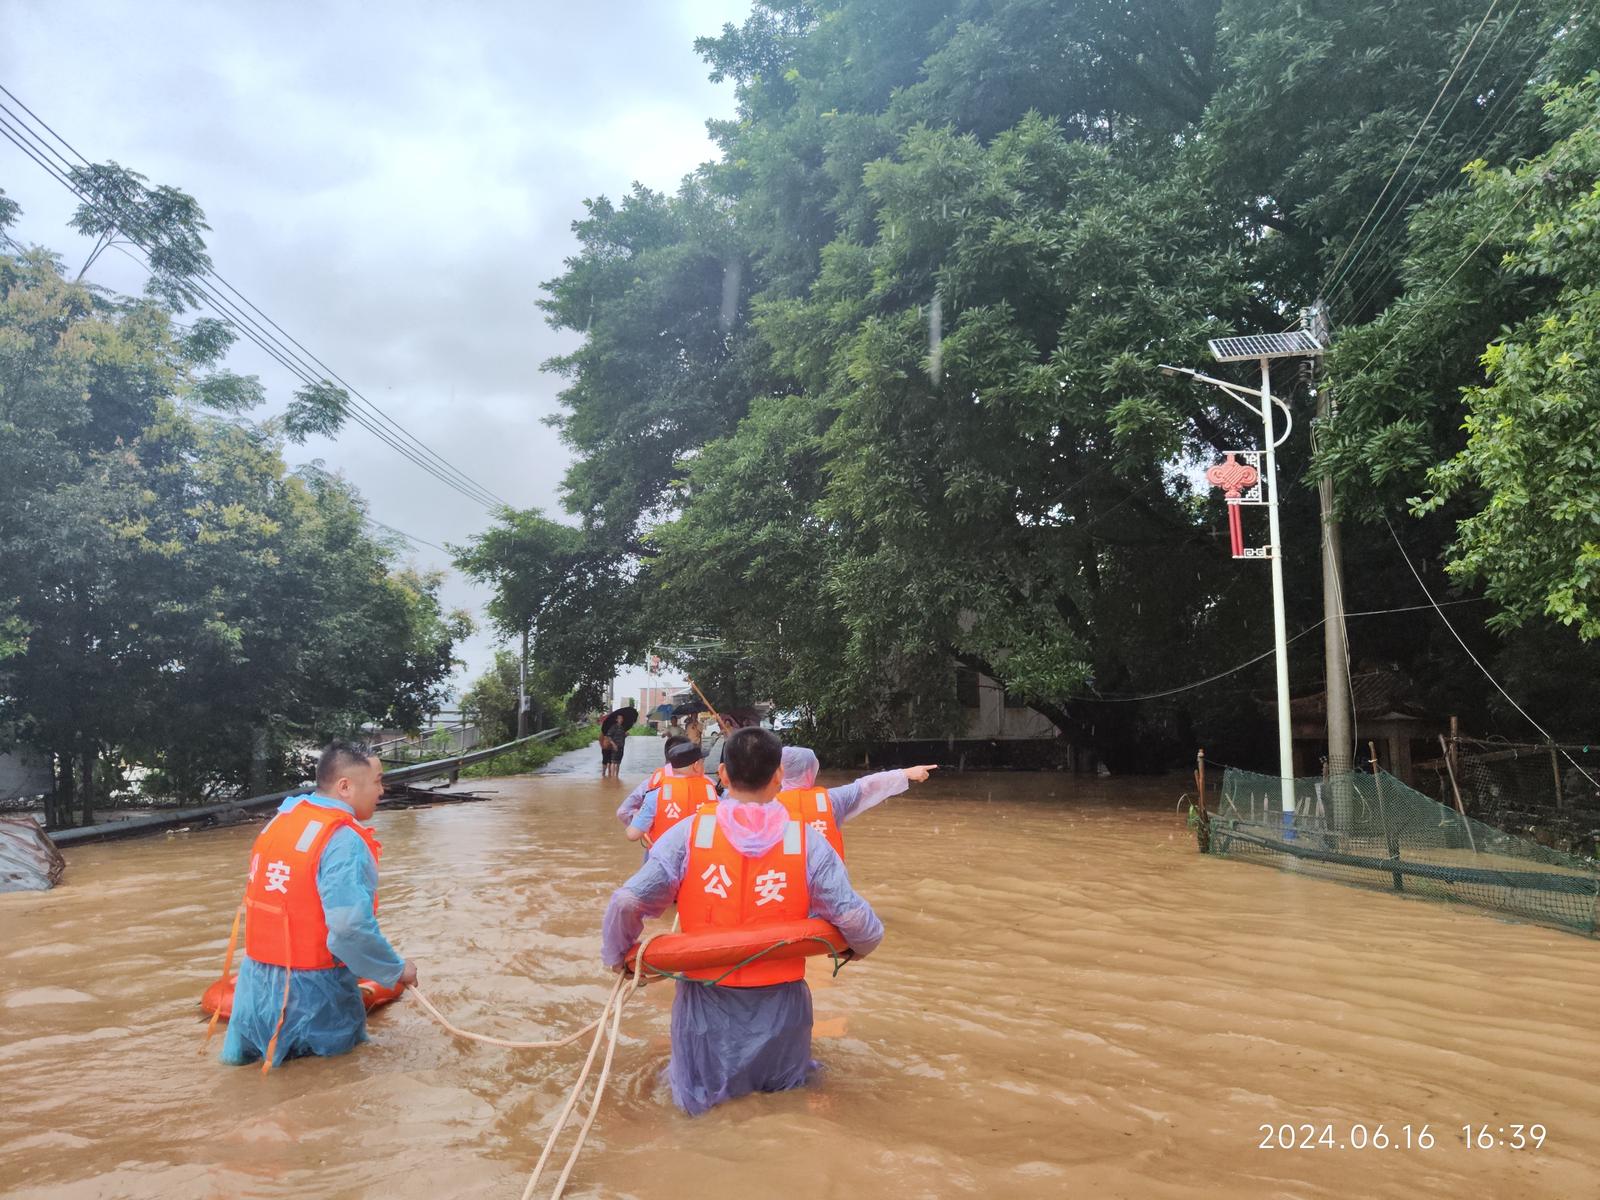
(652, 698)
(993, 713)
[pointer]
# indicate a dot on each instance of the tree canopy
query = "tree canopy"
(873, 395)
(173, 596)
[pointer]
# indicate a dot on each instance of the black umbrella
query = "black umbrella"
(627, 717)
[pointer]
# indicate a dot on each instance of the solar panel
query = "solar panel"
(1263, 345)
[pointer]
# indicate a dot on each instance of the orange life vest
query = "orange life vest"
(679, 796)
(811, 806)
(722, 889)
(656, 777)
(284, 925)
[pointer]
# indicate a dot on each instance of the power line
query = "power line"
(1514, 94)
(394, 432)
(1322, 288)
(1527, 191)
(1475, 661)
(362, 410)
(1415, 177)
(1250, 662)
(240, 320)
(1352, 251)
(250, 328)
(8, 131)
(408, 536)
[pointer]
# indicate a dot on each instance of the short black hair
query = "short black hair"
(673, 739)
(752, 756)
(338, 756)
(684, 755)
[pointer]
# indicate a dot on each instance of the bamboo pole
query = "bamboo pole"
(1456, 791)
(709, 707)
(1389, 837)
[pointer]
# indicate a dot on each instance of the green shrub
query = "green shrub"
(533, 755)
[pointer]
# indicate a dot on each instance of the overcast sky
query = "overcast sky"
(390, 183)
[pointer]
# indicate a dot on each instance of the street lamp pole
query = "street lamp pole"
(1264, 348)
(1280, 624)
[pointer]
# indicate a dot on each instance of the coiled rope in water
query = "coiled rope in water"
(621, 993)
(627, 983)
(615, 1003)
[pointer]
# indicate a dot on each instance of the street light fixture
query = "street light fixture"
(1264, 348)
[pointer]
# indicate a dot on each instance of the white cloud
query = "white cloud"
(391, 184)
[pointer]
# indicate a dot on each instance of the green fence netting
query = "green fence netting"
(1374, 831)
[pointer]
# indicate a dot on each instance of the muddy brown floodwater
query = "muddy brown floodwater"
(1069, 1001)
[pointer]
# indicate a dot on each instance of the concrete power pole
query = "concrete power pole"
(1335, 650)
(1335, 647)
(522, 688)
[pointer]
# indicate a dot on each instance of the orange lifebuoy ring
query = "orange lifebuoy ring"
(375, 995)
(713, 948)
(219, 996)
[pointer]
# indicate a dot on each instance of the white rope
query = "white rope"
(613, 1007)
(494, 1041)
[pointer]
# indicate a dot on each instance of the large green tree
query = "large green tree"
(553, 587)
(952, 241)
(172, 596)
(1528, 471)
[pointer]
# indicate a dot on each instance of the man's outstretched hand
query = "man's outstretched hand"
(920, 774)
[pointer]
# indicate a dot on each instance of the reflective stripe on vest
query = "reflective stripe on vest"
(811, 807)
(679, 796)
(284, 923)
(722, 889)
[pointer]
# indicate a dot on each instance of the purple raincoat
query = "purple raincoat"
(730, 1041)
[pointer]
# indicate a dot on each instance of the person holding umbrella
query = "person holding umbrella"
(613, 732)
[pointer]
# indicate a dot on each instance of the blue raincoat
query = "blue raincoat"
(645, 815)
(850, 799)
(630, 804)
(325, 1014)
(727, 1041)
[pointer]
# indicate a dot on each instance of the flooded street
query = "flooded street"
(1068, 1000)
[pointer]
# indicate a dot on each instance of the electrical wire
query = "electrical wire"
(1378, 274)
(408, 536)
(393, 431)
(362, 410)
(1527, 191)
(251, 329)
(1322, 288)
(1510, 699)
(1353, 252)
(1250, 662)
(1393, 212)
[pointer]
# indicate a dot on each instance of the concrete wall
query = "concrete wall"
(23, 775)
(992, 719)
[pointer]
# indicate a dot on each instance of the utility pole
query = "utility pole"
(522, 688)
(1340, 715)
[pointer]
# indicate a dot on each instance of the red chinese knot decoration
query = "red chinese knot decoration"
(1235, 479)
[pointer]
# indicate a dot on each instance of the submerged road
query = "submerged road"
(1069, 1001)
